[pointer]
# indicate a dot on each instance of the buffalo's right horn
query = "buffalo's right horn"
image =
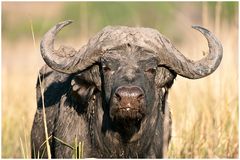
(176, 61)
(66, 59)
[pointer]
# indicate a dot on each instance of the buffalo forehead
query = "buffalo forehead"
(144, 37)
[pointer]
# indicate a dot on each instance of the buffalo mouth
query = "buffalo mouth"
(127, 113)
(126, 120)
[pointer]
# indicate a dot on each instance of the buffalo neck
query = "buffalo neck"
(108, 141)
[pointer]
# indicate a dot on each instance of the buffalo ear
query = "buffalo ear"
(82, 90)
(83, 87)
(165, 77)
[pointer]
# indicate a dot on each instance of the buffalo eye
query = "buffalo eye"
(106, 68)
(151, 70)
(109, 65)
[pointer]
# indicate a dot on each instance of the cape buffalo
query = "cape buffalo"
(111, 94)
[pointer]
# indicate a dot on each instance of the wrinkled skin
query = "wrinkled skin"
(71, 114)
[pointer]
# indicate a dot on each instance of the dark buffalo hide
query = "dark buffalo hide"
(109, 99)
(76, 108)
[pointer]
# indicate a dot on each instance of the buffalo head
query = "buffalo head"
(136, 67)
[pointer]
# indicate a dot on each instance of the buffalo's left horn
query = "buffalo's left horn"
(66, 59)
(174, 60)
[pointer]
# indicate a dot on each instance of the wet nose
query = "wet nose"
(129, 96)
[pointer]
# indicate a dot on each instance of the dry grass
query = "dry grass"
(19, 103)
(204, 111)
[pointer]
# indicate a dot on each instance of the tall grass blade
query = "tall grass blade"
(22, 148)
(33, 35)
(26, 143)
(42, 91)
(82, 146)
(34, 151)
(44, 119)
(61, 141)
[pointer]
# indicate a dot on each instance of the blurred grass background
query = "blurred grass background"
(205, 111)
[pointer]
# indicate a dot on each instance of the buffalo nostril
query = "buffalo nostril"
(118, 97)
(140, 97)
